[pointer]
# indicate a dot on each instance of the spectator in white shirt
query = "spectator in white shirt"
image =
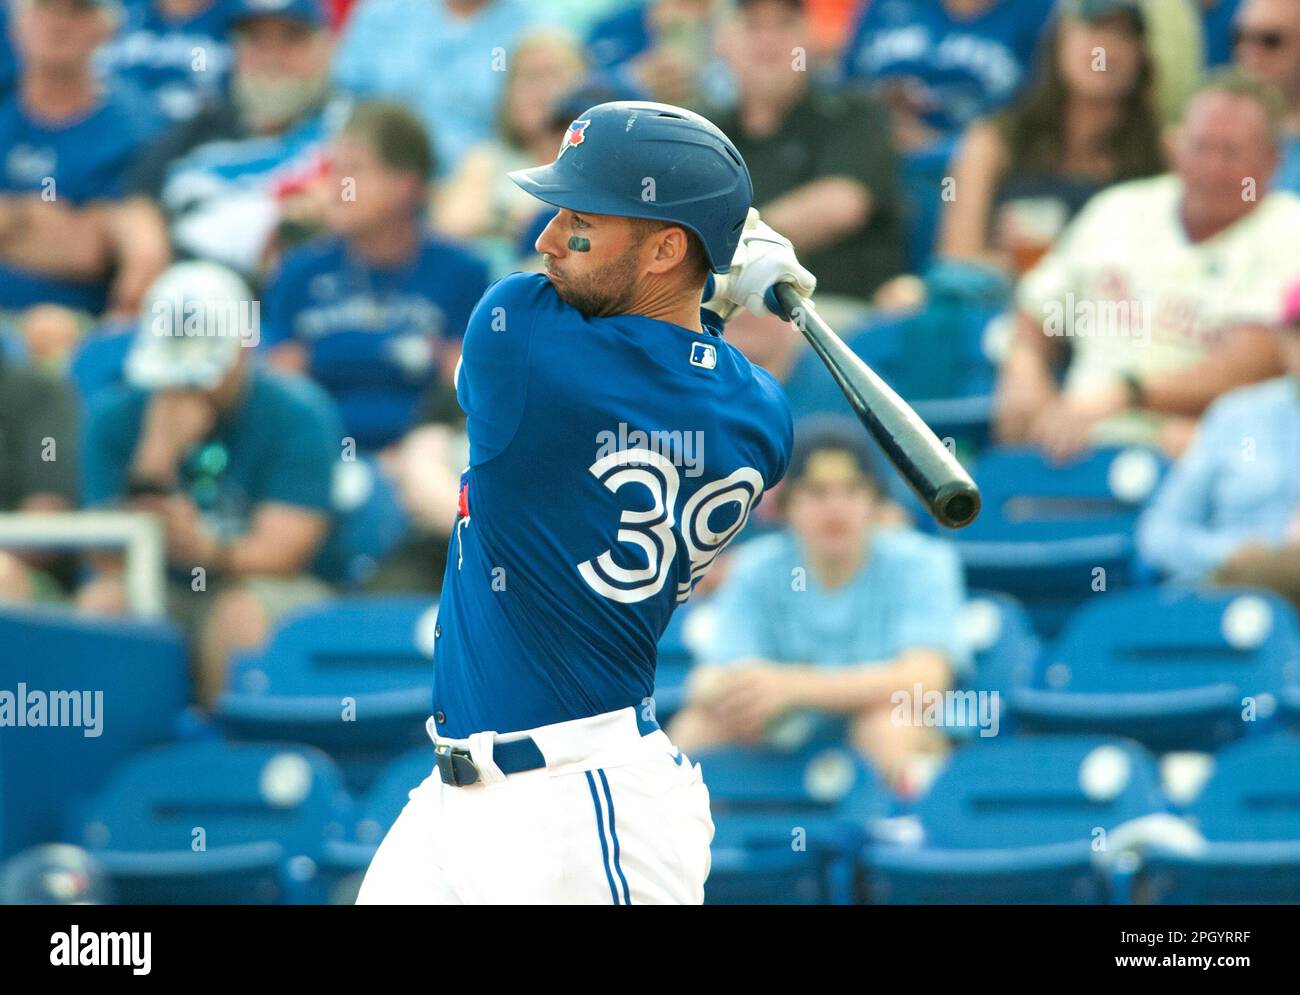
(1162, 293)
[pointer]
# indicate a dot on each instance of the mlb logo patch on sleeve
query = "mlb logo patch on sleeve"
(704, 355)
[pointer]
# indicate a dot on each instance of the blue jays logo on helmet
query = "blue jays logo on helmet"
(576, 135)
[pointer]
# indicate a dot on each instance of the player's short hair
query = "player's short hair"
(396, 135)
(1236, 83)
(697, 260)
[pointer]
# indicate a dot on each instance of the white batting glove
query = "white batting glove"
(763, 259)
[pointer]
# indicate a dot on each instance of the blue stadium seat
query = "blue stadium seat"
(369, 523)
(1015, 821)
(1056, 535)
(353, 677)
(142, 672)
(1004, 648)
(214, 822)
(1171, 669)
(788, 824)
(1249, 811)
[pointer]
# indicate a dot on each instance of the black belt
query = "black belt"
(456, 765)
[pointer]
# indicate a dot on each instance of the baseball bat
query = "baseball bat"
(925, 463)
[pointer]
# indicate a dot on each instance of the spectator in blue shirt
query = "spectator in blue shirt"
(375, 310)
(236, 460)
(1229, 511)
(940, 64)
(65, 143)
(445, 59)
(176, 51)
(1267, 45)
(832, 617)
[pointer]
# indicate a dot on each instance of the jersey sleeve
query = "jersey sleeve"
(783, 422)
(492, 378)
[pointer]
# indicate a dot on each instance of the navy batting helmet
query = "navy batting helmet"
(638, 159)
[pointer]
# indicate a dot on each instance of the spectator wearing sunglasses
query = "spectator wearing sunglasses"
(1266, 44)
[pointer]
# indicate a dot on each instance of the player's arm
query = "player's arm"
(492, 374)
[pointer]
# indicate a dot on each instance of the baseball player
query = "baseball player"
(617, 444)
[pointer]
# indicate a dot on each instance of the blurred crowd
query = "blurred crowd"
(1118, 177)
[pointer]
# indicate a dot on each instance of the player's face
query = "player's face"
(602, 280)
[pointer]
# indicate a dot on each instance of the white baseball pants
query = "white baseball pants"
(614, 818)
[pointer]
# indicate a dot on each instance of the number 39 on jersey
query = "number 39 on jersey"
(659, 531)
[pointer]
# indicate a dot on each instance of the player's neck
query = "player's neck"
(670, 304)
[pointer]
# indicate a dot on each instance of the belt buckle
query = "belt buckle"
(451, 762)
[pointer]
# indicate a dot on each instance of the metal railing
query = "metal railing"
(139, 535)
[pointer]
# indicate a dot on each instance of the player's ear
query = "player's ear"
(671, 247)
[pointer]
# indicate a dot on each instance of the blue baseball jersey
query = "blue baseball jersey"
(958, 68)
(375, 337)
(611, 460)
(183, 63)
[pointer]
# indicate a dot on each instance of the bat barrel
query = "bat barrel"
(957, 504)
(932, 472)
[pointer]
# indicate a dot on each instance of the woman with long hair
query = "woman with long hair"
(1089, 121)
